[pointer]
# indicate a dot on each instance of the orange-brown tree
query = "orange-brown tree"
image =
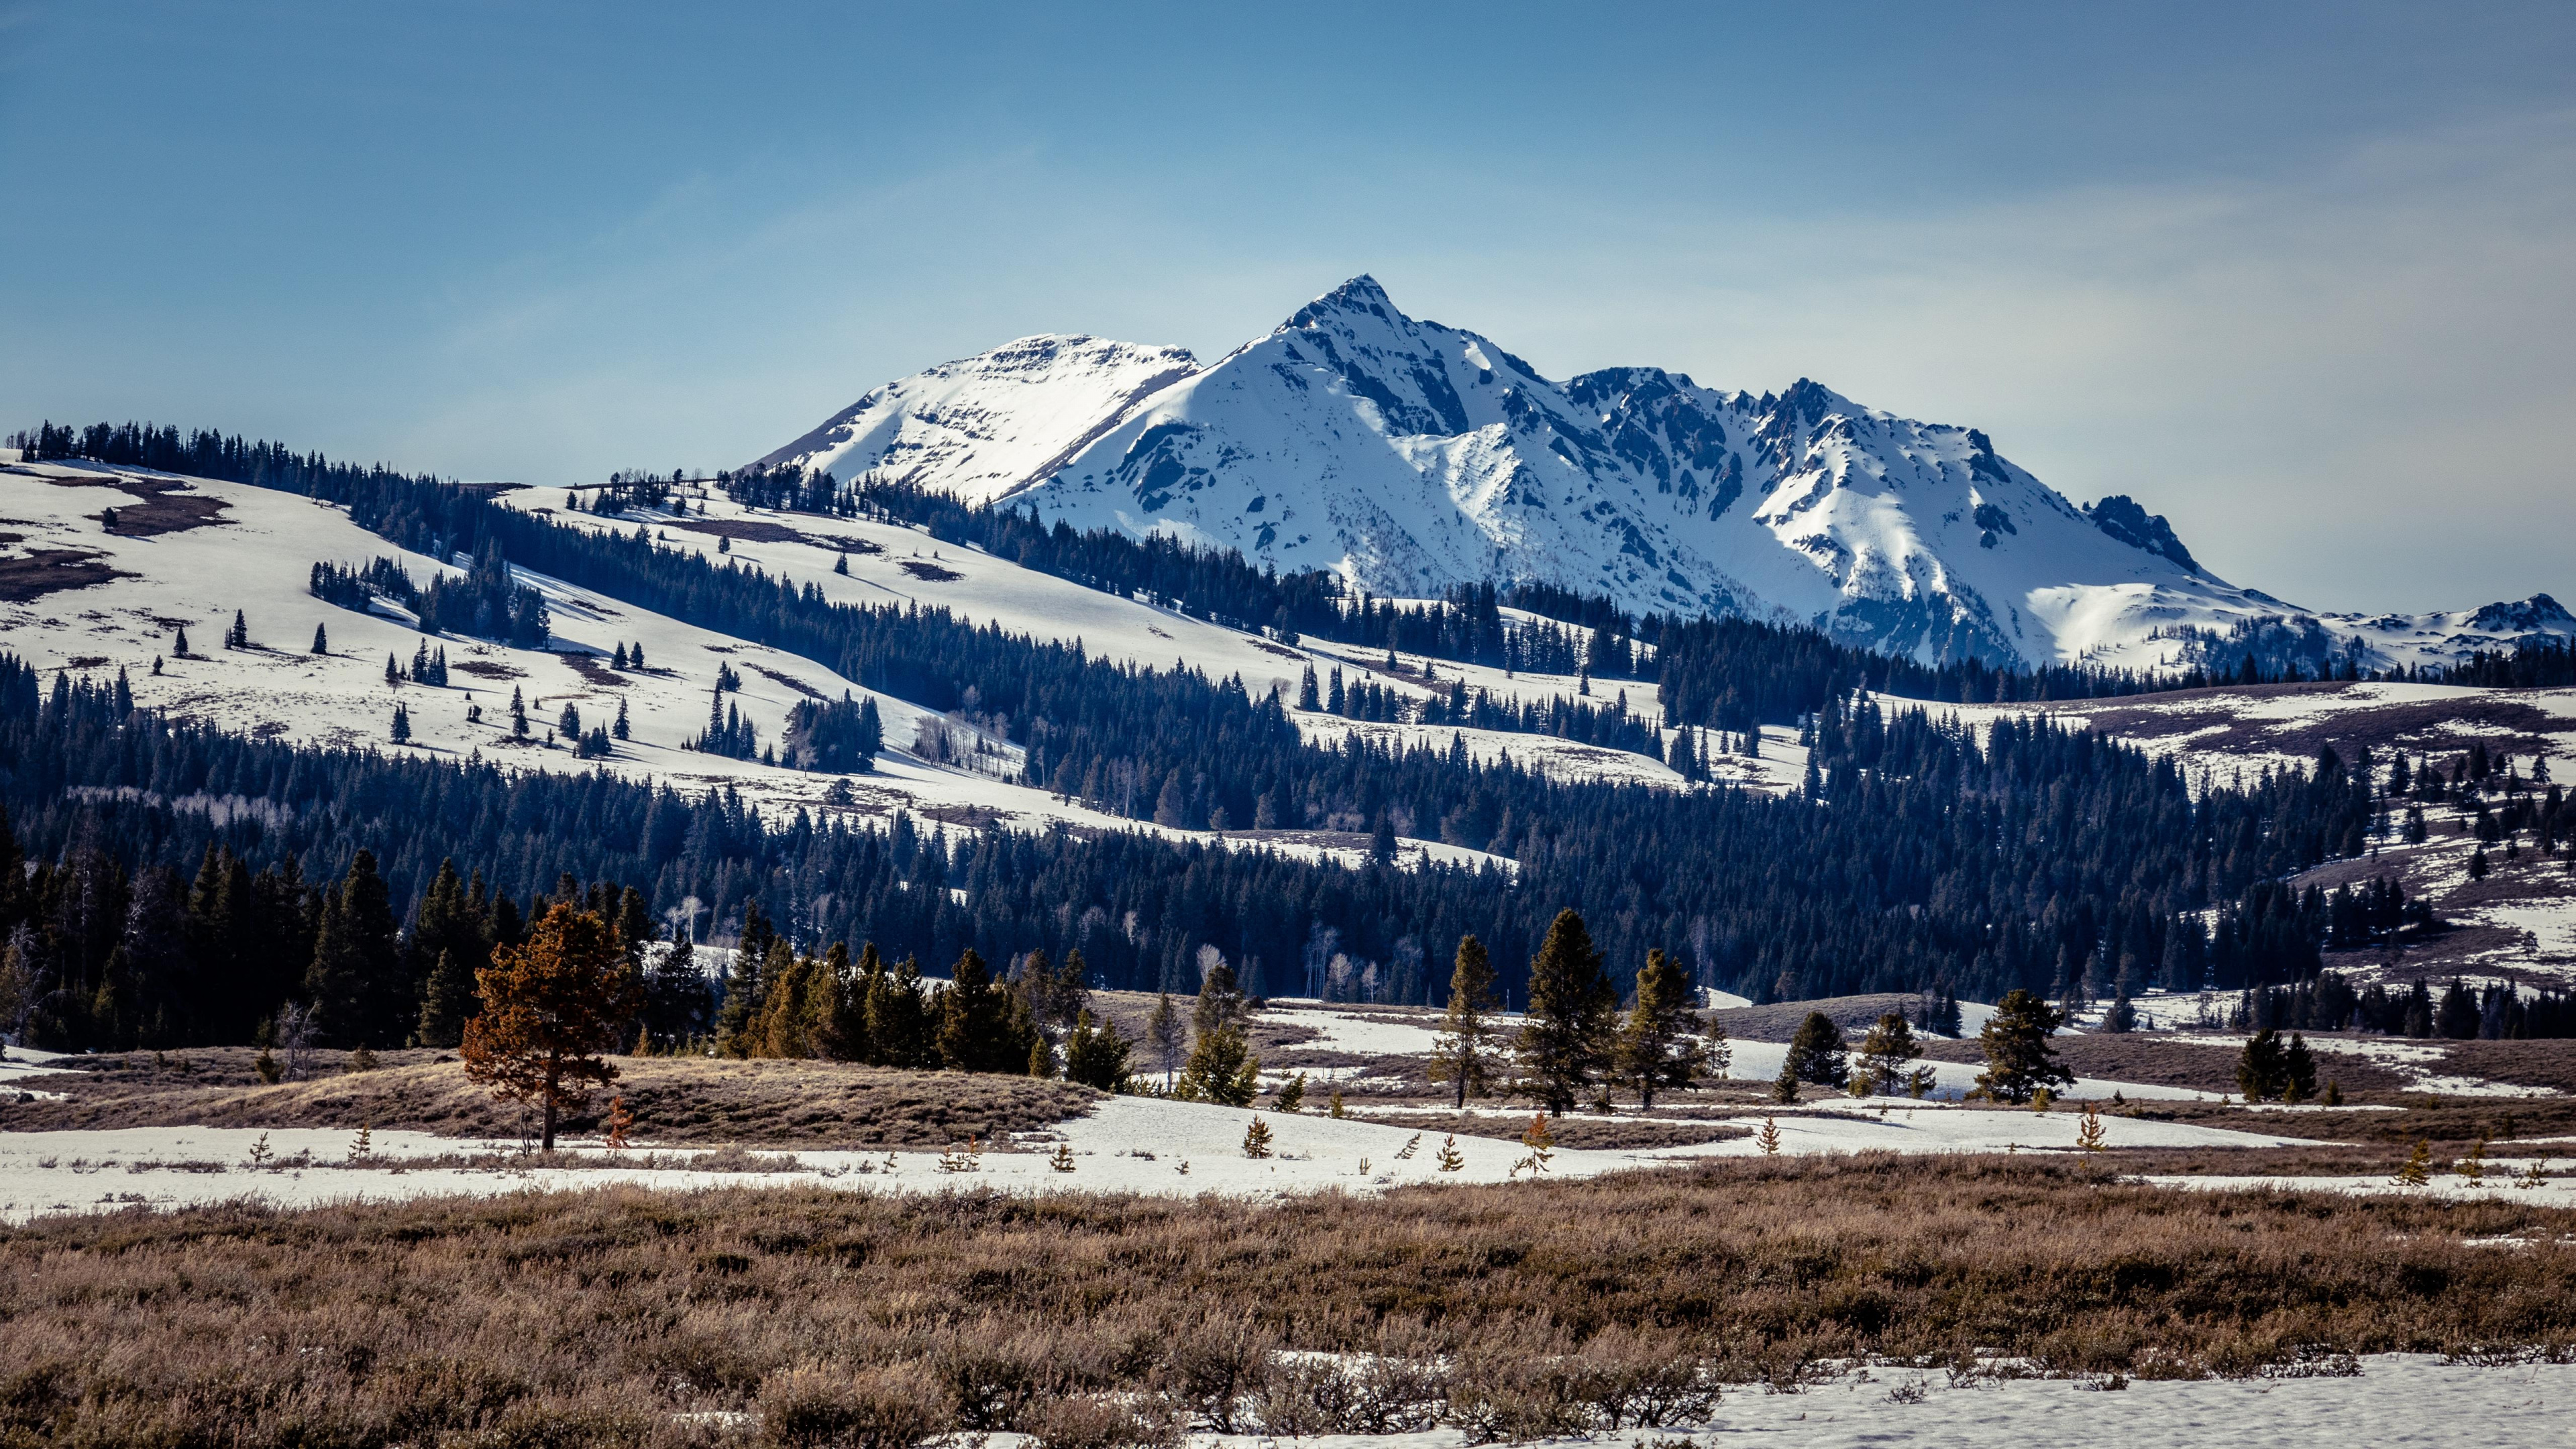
(552, 1008)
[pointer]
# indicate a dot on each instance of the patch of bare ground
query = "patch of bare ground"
(928, 572)
(1535, 1310)
(1609, 1134)
(592, 672)
(789, 680)
(677, 1100)
(41, 571)
(2417, 726)
(488, 669)
(1779, 1022)
(755, 530)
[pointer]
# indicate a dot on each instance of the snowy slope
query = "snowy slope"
(1407, 456)
(255, 550)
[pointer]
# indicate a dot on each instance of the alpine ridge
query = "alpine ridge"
(1406, 456)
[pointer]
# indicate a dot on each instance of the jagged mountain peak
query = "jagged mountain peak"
(1408, 455)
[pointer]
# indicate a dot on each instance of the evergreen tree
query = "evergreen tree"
(675, 994)
(1566, 1044)
(901, 1028)
(1817, 1053)
(321, 640)
(738, 1021)
(1886, 1054)
(1166, 1036)
(2018, 1060)
(975, 1028)
(1096, 1056)
(1466, 1053)
(2262, 1068)
(1659, 1044)
(2299, 1067)
(446, 1000)
(619, 729)
(1221, 1069)
(552, 1009)
(355, 984)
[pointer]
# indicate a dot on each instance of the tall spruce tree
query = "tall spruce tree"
(1466, 1054)
(355, 983)
(551, 1009)
(975, 1028)
(1817, 1053)
(2018, 1060)
(1565, 1045)
(1167, 1036)
(1659, 1044)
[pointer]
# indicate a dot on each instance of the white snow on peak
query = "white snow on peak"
(1406, 455)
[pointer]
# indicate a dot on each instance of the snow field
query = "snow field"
(258, 559)
(2378, 1399)
(1126, 1144)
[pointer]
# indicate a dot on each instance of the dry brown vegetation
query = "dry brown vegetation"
(1603, 1133)
(692, 1100)
(839, 1317)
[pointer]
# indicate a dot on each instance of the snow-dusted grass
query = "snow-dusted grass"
(1125, 1145)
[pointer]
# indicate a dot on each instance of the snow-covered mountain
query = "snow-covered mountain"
(1407, 455)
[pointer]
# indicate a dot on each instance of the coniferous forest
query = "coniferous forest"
(1917, 855)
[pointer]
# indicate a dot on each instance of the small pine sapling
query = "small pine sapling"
(1256, 1138)
(1062, 1161)
(2418, 1170)
(363, 1146)
(2532, 1176)
(1449, 1157)
(1860, 1085)
(1291, 1095)
(269, 1071)
(361, 1060)
(2042, 1100)
(1336, 1104)
(2090, 1136)
(1768, 1139)
(1405, 1153)
(2334, 1093)
(2473, 1167)
(259, 1153)
(621, 1120)
(1541, 1144)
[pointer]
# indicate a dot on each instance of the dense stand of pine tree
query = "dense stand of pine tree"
(1917, 855)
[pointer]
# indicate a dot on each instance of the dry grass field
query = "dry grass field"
(627, 1317)
(676, 1100)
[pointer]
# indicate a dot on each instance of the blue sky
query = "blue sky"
(2297, 276)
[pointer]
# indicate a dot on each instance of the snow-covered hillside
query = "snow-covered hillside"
(1407, 456)
(80, 593)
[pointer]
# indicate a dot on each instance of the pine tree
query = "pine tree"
(1541, 1144)
(2418, 1169)
(1885, 1053)
(1566, 1044)
(2089, 1135)
(551, 1009)
(1465, 1054)
(2262, 1068)
(738, 1020)
(321, 639)
(620, 1121)
(2019, 1062)
(1062, 1161)
(1291, 1094)
(2299, 1071)
(445, 1000)
(1658, 1046)
(1768, 1139)
(619, 729)
(401, 725)
(1221, 1069)
(1449, 1157)
(1095, 1055)
(1256, 1138)
(393, 671)
(1817, 1053)
(975, 1029)
(355, 984)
